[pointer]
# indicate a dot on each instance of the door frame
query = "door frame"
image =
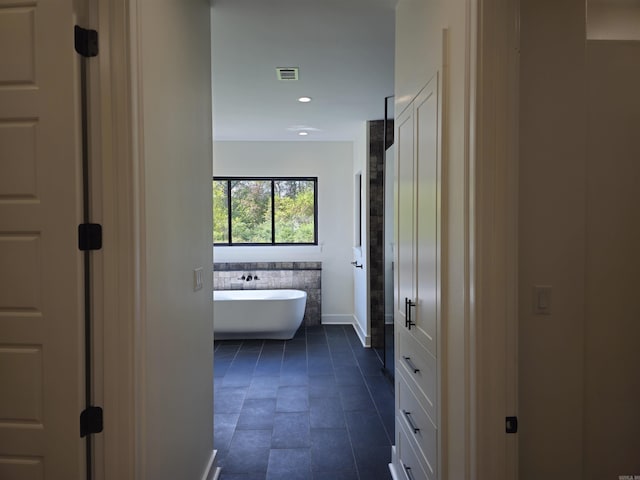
(119, 450)
(493, 236)
(491, 239)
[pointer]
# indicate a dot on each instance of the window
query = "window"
(265, 211)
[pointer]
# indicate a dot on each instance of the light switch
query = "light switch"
(197, 279)
(542, 299)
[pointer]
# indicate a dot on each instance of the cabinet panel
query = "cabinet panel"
(409, 463)
(405, 213)
(419, 426)
(419, 367)
(427, 221)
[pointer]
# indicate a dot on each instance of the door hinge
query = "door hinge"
(91, 421)
(86, 41)
(89, 236)
(511, 424)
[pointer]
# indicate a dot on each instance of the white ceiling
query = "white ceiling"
(344, 49)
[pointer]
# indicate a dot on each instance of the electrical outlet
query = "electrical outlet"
(197, 279)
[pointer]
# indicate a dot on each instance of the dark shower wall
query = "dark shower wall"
(376, 231)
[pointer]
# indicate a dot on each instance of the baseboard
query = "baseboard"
(394, 474)
(392, 465)
(210, 471)
(362, 335)
(337, 319)
(348, 320)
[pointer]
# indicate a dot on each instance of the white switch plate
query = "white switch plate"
(542, 299)
(197, 279)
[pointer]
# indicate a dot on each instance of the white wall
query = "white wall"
(176, 353)
(361, 254)
(332, 163)
(418, 36)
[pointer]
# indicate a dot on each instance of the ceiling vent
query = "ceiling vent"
(289, 73)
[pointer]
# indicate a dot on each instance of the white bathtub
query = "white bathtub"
(245, 314)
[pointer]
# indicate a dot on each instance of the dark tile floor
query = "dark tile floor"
(314, 407)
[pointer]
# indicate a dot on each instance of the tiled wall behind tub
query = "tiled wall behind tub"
(275, 275)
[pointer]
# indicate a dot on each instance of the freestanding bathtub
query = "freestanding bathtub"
(253, 314)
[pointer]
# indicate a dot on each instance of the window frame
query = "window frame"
(273, 242)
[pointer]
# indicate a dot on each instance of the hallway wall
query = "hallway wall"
(579, 231)
(176, 358)
(612, 326)
(552, 223)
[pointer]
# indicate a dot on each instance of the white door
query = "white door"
(40, 282)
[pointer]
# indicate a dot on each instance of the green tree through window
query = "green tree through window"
(264, 211)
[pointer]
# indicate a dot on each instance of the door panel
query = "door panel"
(405, 213)
(428, 206)
(40, 282)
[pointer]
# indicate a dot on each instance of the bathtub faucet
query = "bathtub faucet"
(249, 278)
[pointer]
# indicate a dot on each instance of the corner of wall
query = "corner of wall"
(365, 339)
(348, 319)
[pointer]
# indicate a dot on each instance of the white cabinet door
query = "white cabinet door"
(427, 262)
(40, 281)
(418, 217)
(405, 215)
(417, 299)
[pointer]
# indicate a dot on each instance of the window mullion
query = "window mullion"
(315, 211)
(273, 213)
(229, 215)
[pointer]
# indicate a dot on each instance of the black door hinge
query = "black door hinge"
(89, 236)
(86, 41)
(91, 421)
(511, 424)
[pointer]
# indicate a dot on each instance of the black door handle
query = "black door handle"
(408, 322)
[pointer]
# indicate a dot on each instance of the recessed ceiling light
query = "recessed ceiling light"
(304, 99)
(303, 134)
(302, 128)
